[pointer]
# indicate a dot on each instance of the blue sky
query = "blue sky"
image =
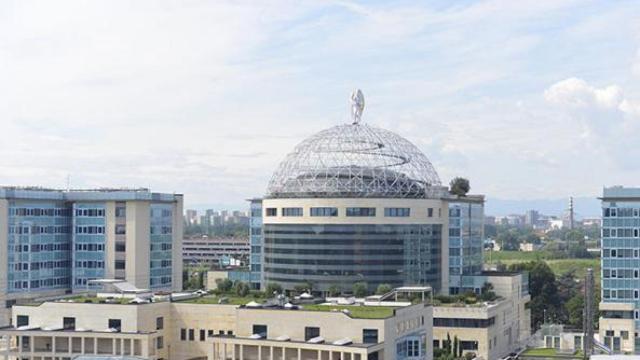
(528, 99)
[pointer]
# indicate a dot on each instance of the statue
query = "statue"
(357, 105)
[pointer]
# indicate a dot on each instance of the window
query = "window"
(624, 335)
(469, 345)
(120, 264)
(292, 211)
(121, 211)
(210, 333)
(69, 323)
(430, 212)
(22, 320)
(614, 253)
(359, 211)
(159, 342)
(260, 330)
(311, 332)
(159, 323)
(370, 336)
(229, 332)
(272, 212)
(608, 333)
(121, 246)
(413, 348)
(436, 344)
(397, 212)
(183, 334)
(203, 334)
(115, 324)
(192, 335)
(324, 211)
(121, 229)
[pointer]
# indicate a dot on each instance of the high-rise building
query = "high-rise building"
(191, 217)
(531, 218)
(255, 238)
(620, 306)
(54, 241)
(356, 203)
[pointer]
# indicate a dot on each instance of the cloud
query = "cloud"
(577, 93)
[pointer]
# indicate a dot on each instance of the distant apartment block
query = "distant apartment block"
(54, 242)
(216, 252)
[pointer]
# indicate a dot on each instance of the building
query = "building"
(54, 242)
(215, 252)
(255, 237)
(490, 330)
(620, 306)
(191, 217)
(356, 203)
(531, 218)
(193, 329)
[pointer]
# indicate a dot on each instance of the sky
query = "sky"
(528, 99)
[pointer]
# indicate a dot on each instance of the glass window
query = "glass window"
(22, 320)
(292, 211)
(121, 229)
(115, 324)
(183, 334)
(260, 330)
(69, 323)
(271, 212)
(324, 211)
(430, 212)
(203, 335)
(370, 336)
(159, 323)
(311, 332)
(397, 212)
(192, 335)
(361, 211)
(159, 342)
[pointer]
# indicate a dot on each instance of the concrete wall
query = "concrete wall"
(138, 245)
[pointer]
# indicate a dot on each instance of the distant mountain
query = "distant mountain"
(583, 206)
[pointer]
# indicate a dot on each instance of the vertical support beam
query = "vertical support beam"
(271, 352)
(259, 352)
(95, 345)
(241, 351)
(299, 354)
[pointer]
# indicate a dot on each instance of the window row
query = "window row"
(62, 264)
(161, 230)
(190, 334)
(620, 212)
(620, 253)
(89, 247)
(39, 212)
(621, 294)
(90, 264)
(350, 211)
(163, 280)
(90, 229)
(41, 247)
(160, 264)
(35, 284)
(161, 247)
(52, 229)
(89, 212)
(620, 232)
(160, 213)
(621, 273)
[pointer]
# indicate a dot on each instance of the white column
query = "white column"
(241, 350)
(259, 352)
(271, 353)
(299, 354)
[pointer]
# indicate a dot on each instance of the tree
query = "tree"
(456, 344)
(224, 285)
(273, 288)
(360, 289)
(333, 290)
(487, 293)
(383, 289)
(575, 307)
(544, 291)
(241, 288)
(459, 186)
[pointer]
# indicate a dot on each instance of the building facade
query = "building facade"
(620, 306)
(55, 242)
(255, 238)
(216, 252)
(183, 330)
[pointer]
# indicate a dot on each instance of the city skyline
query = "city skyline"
(518, 98)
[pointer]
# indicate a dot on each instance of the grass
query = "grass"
(549, 353)
(558, 266)
(231, 299)
(359, 312)
(95, 300)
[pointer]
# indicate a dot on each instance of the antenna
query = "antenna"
(357, 105)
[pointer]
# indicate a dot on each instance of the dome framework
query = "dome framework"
(355, 160)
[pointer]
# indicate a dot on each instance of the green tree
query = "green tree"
(459, 186)
(224, 285)
(543, 290)
(383, 289)
(575, 307)
(360, 289)
(487, 293)
(456, 344)
(334, 290)
(241, 288)
(273, 288)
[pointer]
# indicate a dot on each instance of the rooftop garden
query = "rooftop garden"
(355, 311)
(548, 353)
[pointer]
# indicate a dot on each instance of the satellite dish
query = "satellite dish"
(357, 105)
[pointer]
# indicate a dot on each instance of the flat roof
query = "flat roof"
(102, 194)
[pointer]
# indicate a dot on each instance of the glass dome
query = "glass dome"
(354, 160)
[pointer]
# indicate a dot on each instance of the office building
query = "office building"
(255, 238)
(194, 329)
(53, 242)
(215, 252)
(620, 306)
(356, 203)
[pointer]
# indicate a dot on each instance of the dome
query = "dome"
(354, 160)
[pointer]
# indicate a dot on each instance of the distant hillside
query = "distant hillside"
(584, 206)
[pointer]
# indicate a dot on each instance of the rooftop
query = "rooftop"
(101, 194)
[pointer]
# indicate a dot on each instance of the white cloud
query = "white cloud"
(577, 92)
